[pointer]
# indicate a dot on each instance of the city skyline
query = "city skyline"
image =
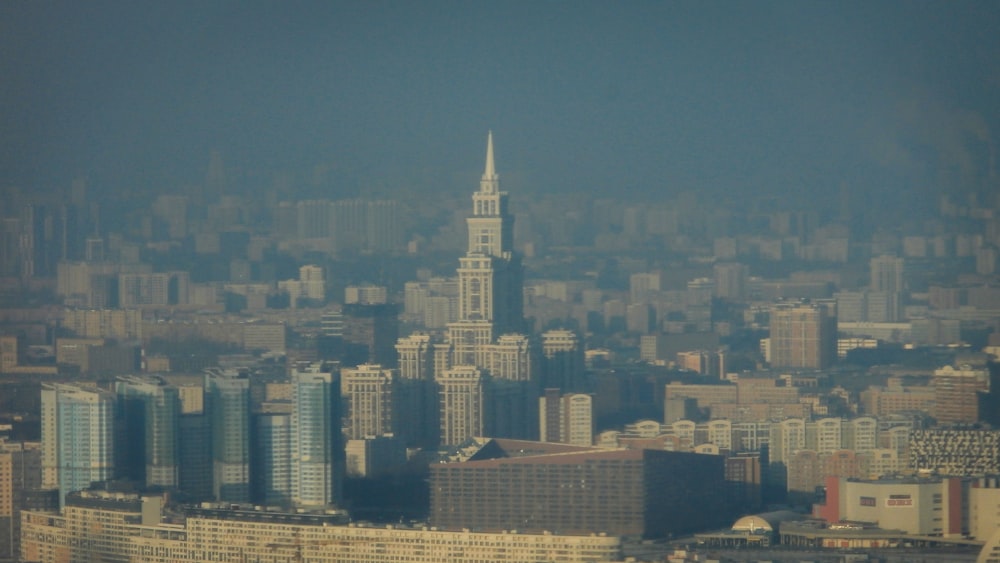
(264, 424)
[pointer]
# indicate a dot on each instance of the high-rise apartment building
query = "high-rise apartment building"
(418, 414)
(824, 435)
(786, 438)
(159, 288)
(461, 391)
(562, 361)
(194, 450)
(273, 469)
(382, 226)
(371, 396)
(956, 394)
(803, 335)
(731, 281)
(148, 426)
(316, 445)
(886, 274)
(78, 437)
(568, 418)
(20, 471)
(227, 405)
(370, 334)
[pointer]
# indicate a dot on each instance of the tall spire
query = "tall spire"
(490, 173)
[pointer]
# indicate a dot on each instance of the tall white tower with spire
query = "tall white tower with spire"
(488, 361)
(490, 275)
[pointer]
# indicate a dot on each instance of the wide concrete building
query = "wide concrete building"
(535, 486)
(114, 527)
(931, 507)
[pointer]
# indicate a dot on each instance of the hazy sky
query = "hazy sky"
(616, 97)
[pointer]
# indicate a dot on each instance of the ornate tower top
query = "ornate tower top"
(490, 182)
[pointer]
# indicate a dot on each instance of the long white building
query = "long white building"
(131, 531)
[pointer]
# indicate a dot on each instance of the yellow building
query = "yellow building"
(115, 527)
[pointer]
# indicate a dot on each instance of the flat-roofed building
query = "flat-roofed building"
(537, 486)
(956, 394)
(131, 529)
(932, 507)
(803, 335)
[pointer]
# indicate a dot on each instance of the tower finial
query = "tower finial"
(490, 171)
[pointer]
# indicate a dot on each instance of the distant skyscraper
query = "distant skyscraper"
(462, 407)
(418, 411)
(215, 178)
(803, 335)
(149, 428)
(370, 334)
(383, 233)
(20, 472)
(273, 444)
(482, 373)
(490, 275)
(488, 360)
(77, 437)
(416, 359)
(371, 397)
(316, 446)
(886, 274)
(731, 281)
(562, 361)
(227, 402)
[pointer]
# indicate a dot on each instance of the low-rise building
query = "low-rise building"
(116, 527)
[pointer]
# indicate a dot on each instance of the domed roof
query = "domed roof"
(767, 522)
